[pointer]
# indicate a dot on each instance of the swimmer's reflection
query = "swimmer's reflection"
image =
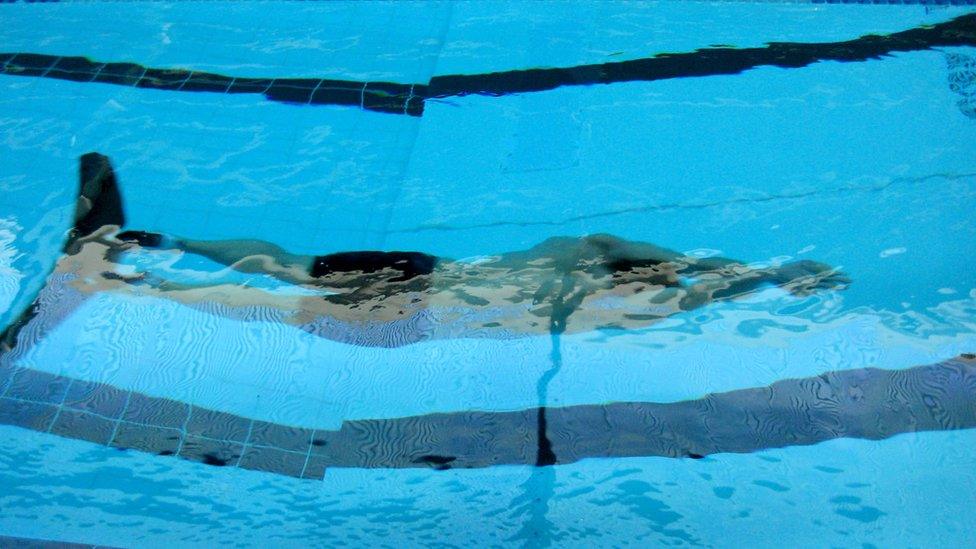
(564, 284)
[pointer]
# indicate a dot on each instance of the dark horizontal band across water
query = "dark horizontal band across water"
(396, 98)
(960, 31)
(375, 96)
(864, 403)
(865, 2)
(9, 542)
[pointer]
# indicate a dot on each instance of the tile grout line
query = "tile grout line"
(308, 453)
(12, 60)
(143, 75)
(406, 104)
(384, 230)
(56, 61)
(311, 95)
(141, 424)
(247, 439)
(118, 422)
(64, 397)
(10, 381)
(183, 435)
(185, 80)
(97, 72)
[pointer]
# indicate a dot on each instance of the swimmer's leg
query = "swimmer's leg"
(721, 288)
(249, 256)
(799, 278)
(718, 278)
(245, 255)
(622, 254)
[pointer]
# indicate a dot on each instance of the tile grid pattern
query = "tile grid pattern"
(125, 419)
(866, 403)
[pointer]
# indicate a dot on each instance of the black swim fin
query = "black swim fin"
(99, 200)
(99, 204)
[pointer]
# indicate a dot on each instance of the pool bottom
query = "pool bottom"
(840, 493)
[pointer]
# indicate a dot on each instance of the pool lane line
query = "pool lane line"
(960, 31)
(863, 403)
(410, 98)
(387, 97)
(866, 2)
(16, 542)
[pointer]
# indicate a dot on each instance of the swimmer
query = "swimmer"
(390, 298)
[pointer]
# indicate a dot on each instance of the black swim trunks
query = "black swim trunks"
(411, 264)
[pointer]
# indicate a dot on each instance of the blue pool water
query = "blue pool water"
(865, 165)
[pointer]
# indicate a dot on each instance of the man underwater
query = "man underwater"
(376, 298)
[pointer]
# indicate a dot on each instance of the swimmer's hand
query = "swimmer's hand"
(804, 277)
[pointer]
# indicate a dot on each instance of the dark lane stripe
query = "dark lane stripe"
(960, 31)
(8, 542)
(396, 98)
(867, 403)
(878, 2)
(375, 96)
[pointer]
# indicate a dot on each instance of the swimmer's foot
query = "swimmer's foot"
(148, 240)
(804, 277)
